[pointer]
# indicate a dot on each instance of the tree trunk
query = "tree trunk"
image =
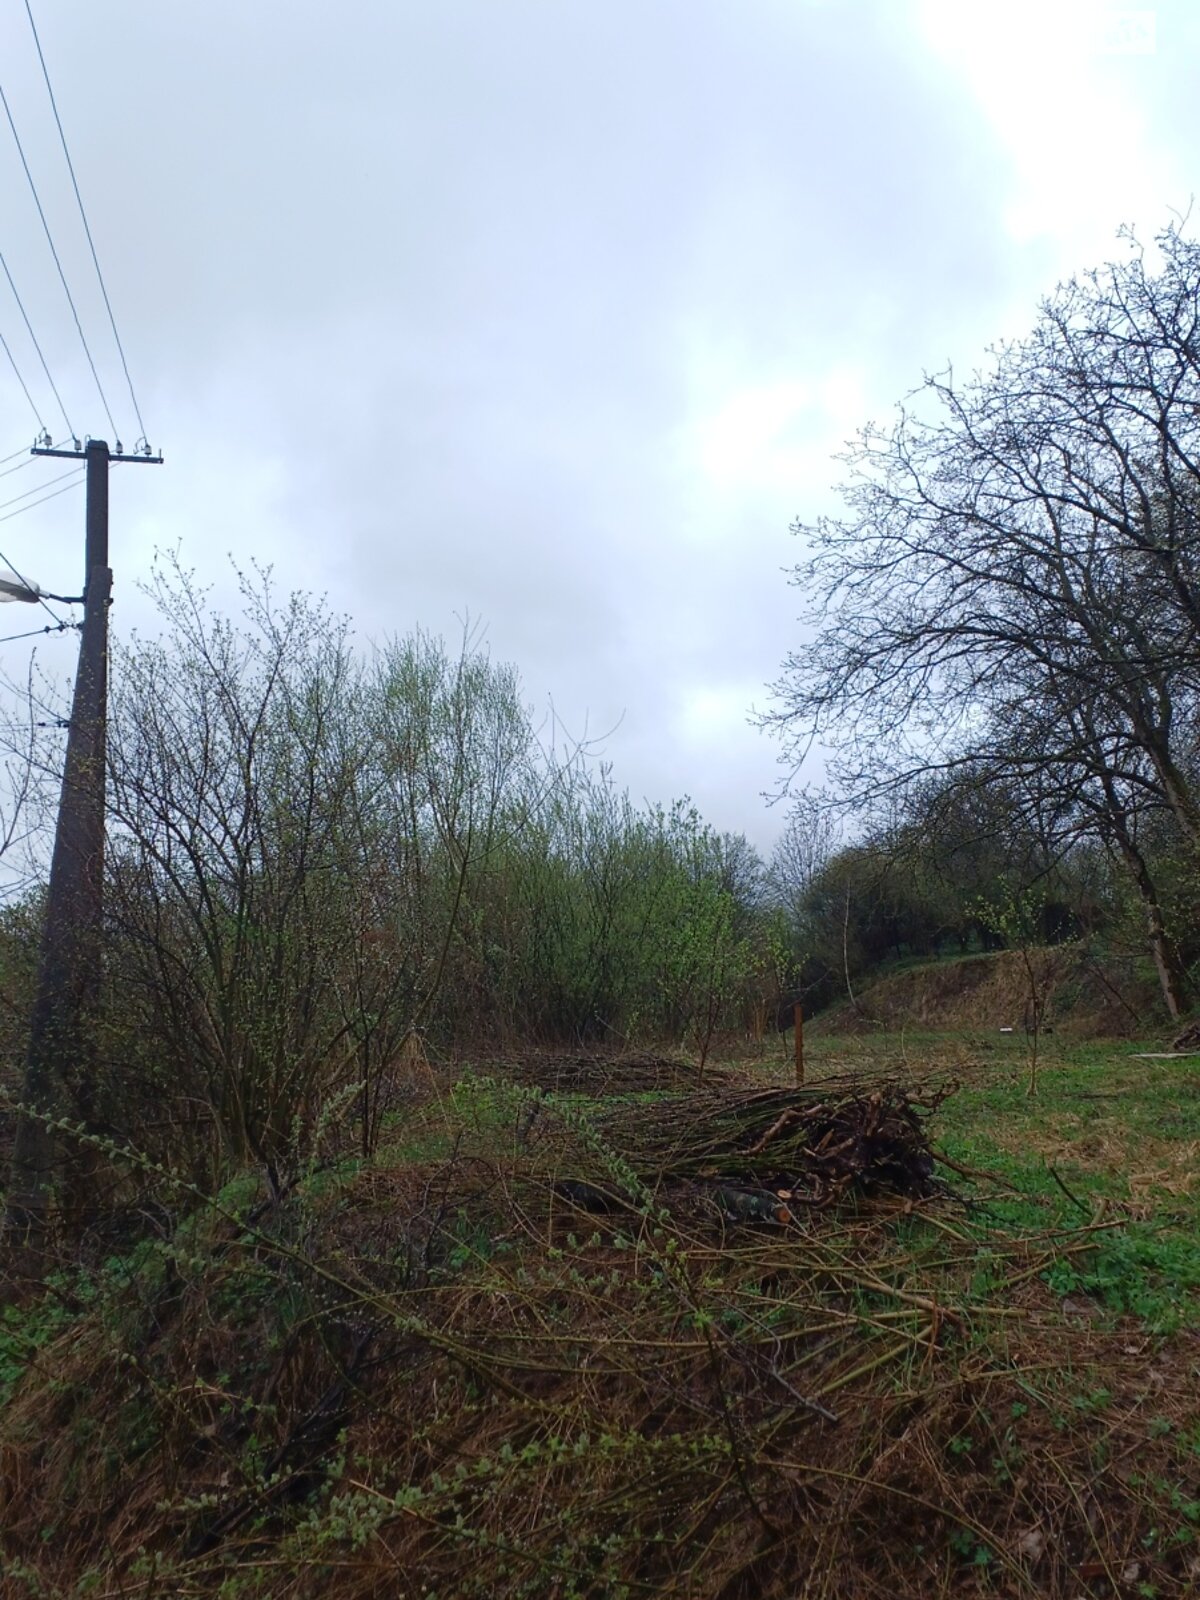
(1170, 974)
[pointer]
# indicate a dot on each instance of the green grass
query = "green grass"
(1104, 1136)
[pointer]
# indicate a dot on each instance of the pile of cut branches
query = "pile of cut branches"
(804, 1146)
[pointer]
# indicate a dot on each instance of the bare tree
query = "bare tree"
(1024, 547)
(236, 754)
(802, 852)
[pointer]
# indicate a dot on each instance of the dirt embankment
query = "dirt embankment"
(1085, 995)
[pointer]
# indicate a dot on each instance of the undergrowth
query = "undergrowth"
(438, 1374)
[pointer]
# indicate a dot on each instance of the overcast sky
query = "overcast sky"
(547, 313)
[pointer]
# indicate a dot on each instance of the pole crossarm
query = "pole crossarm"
(81, 455)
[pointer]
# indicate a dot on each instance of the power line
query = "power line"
(87, 230)
(53, 251)
(32, 587)
(22, 451)
(33, 336)
(4, 504)
(12, 361)
(20, 466)
(33, 633)
(19, 576)
(52, 495)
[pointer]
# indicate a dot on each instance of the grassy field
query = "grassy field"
(500, 1360)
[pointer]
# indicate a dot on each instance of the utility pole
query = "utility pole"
(68, 981)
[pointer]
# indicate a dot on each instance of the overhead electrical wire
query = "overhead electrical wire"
(32, 587)
(33, 336)
(24, 450)
(87, 230)
(77, 474)
(54, 493)
(12, 361)
(20, 512)
(18, 468)
(72, 472)
(61, 274)
(72, 479)
(33, 633)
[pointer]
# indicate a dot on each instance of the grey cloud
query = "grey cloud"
(417, 297)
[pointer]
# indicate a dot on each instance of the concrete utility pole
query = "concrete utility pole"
(68, 982)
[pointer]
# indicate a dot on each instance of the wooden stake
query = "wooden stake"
(799, 1045)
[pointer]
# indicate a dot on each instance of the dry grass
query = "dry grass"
(1152, 1170)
